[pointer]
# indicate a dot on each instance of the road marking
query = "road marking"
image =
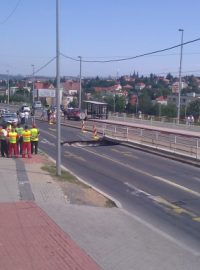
(70, 155)
(125, 153)
(176, 209)
(52, 129)
(196, 178)
(45, 141)
(196, 219)
(169, 182)
(137, 190)
(161, 179)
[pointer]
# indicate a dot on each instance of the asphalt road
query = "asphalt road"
(164, 192)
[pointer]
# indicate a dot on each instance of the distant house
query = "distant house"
(160, 100)
(70, 90)
(127, 87)
(45, 91)
(175, 86)
(71, 87)
(13, 90)
(140, 86)
(184, 100)
(3, 91)
(110, 89)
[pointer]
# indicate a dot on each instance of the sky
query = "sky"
(99, 30)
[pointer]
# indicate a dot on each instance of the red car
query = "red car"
(75, 114)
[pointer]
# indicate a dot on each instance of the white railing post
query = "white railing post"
(103, 130)
(127, 133)
(175, 141)
(197, 149)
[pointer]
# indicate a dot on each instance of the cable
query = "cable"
(133, 57)
(12, 12)
(69, 57)
(39, 69)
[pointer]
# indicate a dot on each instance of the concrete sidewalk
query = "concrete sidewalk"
(39, 229)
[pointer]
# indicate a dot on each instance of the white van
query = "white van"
(37, 104)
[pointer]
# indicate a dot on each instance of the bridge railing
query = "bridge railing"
(183, 145)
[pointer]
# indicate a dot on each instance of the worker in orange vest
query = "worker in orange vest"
(26, 143)
(12, 139)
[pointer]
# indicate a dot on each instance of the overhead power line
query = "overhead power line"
(69, 57)
(12, 12)
(132, 57)
(45, 65)
(115, 60)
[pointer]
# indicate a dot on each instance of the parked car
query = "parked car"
(75, 114)
(9, 118)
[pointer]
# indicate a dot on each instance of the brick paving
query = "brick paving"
(29, 239)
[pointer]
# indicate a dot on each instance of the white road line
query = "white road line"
(161, 179)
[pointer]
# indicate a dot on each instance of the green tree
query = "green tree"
(194, 108)
(145, 102)
(169, 110)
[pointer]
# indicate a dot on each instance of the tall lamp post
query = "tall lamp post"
(8, 84)
(180, 83)
(80, 82)
(58, 150)
(33, 66)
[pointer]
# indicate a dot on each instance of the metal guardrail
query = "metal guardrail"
(187, 146)
(179, 144)
(161, 122)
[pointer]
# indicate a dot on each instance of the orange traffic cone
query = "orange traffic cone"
(95, 136)
(83, 126)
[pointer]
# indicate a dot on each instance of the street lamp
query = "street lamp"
(33, 66)
(80, 81)
(180, 83)
(8, 88)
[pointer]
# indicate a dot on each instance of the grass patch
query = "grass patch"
(110, 203)
(65, 175)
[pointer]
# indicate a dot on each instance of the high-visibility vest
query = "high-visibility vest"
(26, 135)
(19, 130)
(12, 137)
(34, 134)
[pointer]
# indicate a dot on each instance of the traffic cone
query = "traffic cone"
(83, 126)
(95, 136)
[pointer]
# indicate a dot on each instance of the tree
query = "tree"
(194, 108)
(169, 110)
(169, 77)
(145, 102)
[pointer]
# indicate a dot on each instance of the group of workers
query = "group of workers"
(19, 140)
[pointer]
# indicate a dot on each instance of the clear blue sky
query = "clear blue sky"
(99, 30)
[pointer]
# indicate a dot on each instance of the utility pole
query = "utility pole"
(180, 81)
(8, 85)
(33, 90)
(80, 81)
(114, 103)
(58, 159)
